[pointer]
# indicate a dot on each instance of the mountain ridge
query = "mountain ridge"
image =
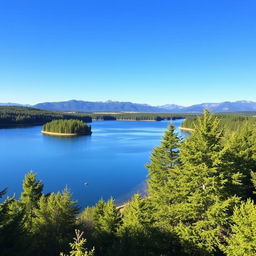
(120, 106)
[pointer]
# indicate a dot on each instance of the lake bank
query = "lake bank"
(60, 134)
(185, 129)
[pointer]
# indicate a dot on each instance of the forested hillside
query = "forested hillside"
(229, 122)
(139, 116)
(11, 116)
(200, 202)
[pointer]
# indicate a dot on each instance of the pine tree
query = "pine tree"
(78, 246)
(134, 213)
(198, 205)
(106, 223)
(241, 157)
(163, 158)
(162, 163)
(135, 232)
(32, 191)
(12, 233)
(99, 209)
(54, 223)
(242, 240)
(204, 147)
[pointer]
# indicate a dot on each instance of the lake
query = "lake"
(111, 162)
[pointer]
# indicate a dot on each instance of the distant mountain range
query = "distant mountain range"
(10, 104)
(226, 106)
(107, 106)
(116, 106)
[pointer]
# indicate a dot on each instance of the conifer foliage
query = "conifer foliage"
(163, 159)
(242, 240)
(32, 191)
(78, 246)
(68, 126)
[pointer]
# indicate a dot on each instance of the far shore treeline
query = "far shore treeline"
(13, 116)
(72, 126)
(229, 122)
(139, 116)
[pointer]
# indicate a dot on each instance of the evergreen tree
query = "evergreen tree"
(204, 202)
(197, 206)
(99, 209)
(137, 235)
(162, 163)
(163, 158)
(78, 246)
(32, 191)
(12, 234)
(107, 221)
(241, 157)
(204, 147)
(134, 214)
(133, 236)
(54, 223)
(242, 240)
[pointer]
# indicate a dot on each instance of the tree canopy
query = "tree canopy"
(67, 127)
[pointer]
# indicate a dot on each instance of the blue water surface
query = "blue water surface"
(110, 163)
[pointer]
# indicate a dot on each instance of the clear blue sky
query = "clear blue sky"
(156, 52)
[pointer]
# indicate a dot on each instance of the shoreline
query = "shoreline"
(185, 129)
(132, 120)
(7, 126)
(60, 134)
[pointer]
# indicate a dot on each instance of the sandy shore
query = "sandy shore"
(186, 129)
(59, 134)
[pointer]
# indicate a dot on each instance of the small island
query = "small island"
(66, 128)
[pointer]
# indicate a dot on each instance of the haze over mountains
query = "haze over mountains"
(116, 106)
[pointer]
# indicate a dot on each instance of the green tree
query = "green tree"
(54, 223)
(195, 202)
(137, 235)
(32, 191)
(241, 157)
(12, 234)
(242, 240)
(133, 231)
(163, 160)
(78, 246)
(107, 220)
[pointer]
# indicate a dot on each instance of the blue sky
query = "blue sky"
(156, 52)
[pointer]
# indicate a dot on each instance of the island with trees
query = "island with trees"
(66, 128)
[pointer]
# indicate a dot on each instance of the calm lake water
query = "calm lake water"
(111, 162)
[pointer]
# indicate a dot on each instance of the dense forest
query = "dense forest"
(200, 202)
(139, 116)
(71, 126)
(11, 116)
(229, 122)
